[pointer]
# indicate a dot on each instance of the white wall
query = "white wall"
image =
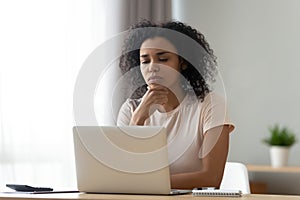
(257, 44)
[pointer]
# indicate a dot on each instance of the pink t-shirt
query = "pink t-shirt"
(186, 127)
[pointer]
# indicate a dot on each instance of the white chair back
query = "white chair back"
(235, 177)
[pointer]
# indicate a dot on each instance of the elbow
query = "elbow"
(211, 181)
(214, 179)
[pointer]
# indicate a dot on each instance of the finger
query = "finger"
(157, 87)
(160, 100)
(152, 96)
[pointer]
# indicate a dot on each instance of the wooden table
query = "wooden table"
(267, 168)
(82, 196)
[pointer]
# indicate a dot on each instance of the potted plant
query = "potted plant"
(280, 141)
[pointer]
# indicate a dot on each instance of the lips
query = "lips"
(155, 79)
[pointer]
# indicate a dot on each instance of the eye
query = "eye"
(163, 59)
(145, 62)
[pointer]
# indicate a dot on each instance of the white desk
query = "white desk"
(82, 196)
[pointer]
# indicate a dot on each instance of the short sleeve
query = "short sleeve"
(214, 112)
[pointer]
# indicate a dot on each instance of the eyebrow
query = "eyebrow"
(158, 53)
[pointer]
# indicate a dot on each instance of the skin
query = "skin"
(160, 67)
(215, 146)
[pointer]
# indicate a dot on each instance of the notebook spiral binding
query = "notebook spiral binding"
(211, 193)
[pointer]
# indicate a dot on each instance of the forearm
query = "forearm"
(138, 119)
(213, 162)
(196, 179)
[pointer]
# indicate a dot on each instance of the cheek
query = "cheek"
(143, 71)
(174, 66)
(172, 74)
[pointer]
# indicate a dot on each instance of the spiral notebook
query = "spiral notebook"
(217, 192)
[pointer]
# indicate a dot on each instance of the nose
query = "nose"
(154, 67)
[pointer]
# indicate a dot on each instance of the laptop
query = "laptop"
(126, 160)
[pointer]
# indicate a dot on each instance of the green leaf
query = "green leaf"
(280, 136)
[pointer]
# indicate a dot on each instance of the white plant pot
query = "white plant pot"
(279, 156)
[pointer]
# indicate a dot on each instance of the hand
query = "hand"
(155, 98)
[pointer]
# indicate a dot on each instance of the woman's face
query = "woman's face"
(159, 62)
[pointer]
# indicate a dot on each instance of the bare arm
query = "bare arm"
(156, 95)
(214, 159)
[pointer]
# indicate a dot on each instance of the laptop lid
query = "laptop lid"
(131, 159)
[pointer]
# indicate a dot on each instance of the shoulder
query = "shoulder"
(214, 98)
(210, 99)
(126, 111)
(214, 104)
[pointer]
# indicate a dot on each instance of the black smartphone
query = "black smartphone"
(27, 188)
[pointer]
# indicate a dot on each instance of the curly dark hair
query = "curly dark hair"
(192, 49)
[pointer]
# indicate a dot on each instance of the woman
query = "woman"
(171, 65)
